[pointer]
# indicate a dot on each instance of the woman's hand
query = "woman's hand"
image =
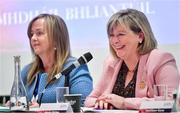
(115, 100)
(111, 99)
(33, 105)
(101, 104)
(7, 104)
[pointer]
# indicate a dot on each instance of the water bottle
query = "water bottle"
(18, 96)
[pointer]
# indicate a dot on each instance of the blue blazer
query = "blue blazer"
(80, 82)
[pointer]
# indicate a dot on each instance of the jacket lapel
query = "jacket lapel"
(116, 66)
(142, 81)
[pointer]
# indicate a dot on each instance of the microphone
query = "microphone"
(85, 58)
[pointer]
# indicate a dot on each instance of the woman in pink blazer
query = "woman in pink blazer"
(134, 66)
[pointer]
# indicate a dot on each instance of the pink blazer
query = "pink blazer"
(156, 67)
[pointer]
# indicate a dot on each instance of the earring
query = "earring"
(140, 41)
(55, 48)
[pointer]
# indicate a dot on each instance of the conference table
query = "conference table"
(66, 108)
(91, 110)
(83, 110)
(54, 109)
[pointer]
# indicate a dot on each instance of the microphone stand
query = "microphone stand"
(66, 84)
(40, 98)
(66, 74)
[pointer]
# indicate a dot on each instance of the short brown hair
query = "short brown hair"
(137, 22)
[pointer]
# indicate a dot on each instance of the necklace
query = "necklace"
(131, 71)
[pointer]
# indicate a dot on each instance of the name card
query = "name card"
(156, 106)
(64, 107)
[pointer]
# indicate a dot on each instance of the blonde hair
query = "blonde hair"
(137, 22)
(59, 37)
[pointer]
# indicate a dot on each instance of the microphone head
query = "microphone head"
(88, 56)
(85, 58)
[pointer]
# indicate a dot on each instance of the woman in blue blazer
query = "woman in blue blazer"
(50, 45)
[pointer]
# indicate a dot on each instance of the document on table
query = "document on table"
(2, 108)
(92, 110)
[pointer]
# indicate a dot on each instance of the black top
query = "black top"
(119, 87)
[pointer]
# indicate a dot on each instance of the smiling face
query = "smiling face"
(39, 38)
(124, 41)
